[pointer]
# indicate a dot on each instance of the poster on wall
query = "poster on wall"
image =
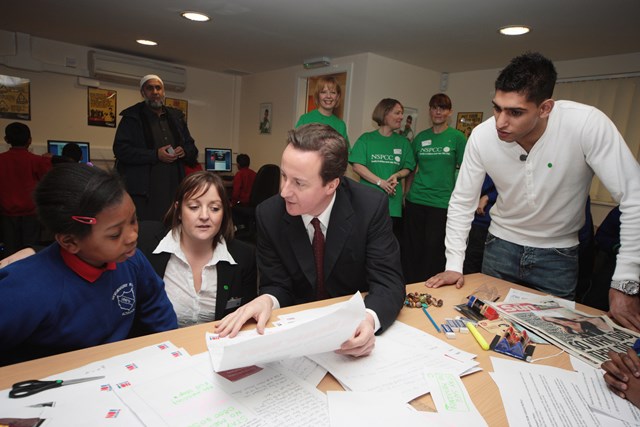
(467, 121)
(179, 104)
(265, 118)
(15, 98)
(408, 126)
(102, 105)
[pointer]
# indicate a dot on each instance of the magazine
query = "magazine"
(585, 336)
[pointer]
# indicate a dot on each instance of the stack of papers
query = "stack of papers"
(264, 380)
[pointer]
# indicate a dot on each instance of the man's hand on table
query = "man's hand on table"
(625, 309)
(445, 278)
(362, 341)
(622, 375)
(259, 309)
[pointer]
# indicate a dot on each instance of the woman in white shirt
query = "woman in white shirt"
(207, 273)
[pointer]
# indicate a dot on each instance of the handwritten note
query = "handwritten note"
(185, 398)
(452, 399)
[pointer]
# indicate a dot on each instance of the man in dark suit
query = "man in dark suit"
(360, 251)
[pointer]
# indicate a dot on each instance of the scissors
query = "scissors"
(29, 387)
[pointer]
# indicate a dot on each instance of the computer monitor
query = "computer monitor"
(217, 159)
(55, 147)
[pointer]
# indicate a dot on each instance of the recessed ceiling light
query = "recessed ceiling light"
(195, 16)
(147, 42)
(514, 30)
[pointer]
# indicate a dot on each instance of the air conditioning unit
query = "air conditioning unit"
(126, 69)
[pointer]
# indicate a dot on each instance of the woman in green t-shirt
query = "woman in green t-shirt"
(382, 158)
(438, 152)
(327, 96)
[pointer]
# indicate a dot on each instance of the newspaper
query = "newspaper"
(585, 336)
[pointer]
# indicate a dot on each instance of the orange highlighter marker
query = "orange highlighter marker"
(477, 336)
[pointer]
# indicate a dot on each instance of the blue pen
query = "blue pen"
(433, 322)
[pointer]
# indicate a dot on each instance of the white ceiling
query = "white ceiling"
(259, 35)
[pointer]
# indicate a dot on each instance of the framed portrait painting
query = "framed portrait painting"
(265, 118)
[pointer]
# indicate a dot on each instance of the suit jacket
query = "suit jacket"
(240, 278)
(361, 252)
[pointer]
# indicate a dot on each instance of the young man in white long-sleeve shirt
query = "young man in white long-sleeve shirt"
(542, 155)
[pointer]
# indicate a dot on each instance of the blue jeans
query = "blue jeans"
(550, 270)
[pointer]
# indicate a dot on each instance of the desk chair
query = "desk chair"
(266, 184)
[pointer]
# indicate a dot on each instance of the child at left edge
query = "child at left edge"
(91, 286)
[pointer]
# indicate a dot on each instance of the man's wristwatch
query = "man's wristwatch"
(379, 182)
(629, 287)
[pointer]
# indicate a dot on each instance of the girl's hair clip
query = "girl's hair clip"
(84, 219)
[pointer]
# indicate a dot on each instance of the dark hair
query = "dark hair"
(331, 82)
(17, 134)
(441, 100)
(383, 108)
(193, 186)
(328, 142)
(243, 160)
(531, 75)
(75, 189)
(72, 151)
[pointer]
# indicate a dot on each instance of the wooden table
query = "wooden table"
(483, 390)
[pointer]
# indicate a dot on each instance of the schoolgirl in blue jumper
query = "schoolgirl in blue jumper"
(91, 286)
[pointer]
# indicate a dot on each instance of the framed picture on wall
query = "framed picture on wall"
(180, 104)
(15, 98)
(467, 121)
(265, 118)
(101, 107)
(312, 81)
(409, 126)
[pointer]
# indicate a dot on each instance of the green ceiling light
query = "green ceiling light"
(514, 30)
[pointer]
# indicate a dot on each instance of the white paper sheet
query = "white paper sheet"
(396, 362)
(373, 409)
(515, 295)
(93, 402)
(304, 368)
(600, 398)
(324, 333)
(452, 399)
(184, 398)
(538, 395)
(280, 398)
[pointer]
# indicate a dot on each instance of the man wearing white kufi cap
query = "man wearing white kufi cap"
(152, 146)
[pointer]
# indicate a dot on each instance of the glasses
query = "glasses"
(439, 108)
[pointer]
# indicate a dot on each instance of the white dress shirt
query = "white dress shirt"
(190, 306)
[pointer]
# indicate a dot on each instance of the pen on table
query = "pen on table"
(477, 336)
(433, 322)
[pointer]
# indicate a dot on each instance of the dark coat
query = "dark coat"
(136, 153)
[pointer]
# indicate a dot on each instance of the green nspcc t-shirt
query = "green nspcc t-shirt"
(384, 156)
(438, 157)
